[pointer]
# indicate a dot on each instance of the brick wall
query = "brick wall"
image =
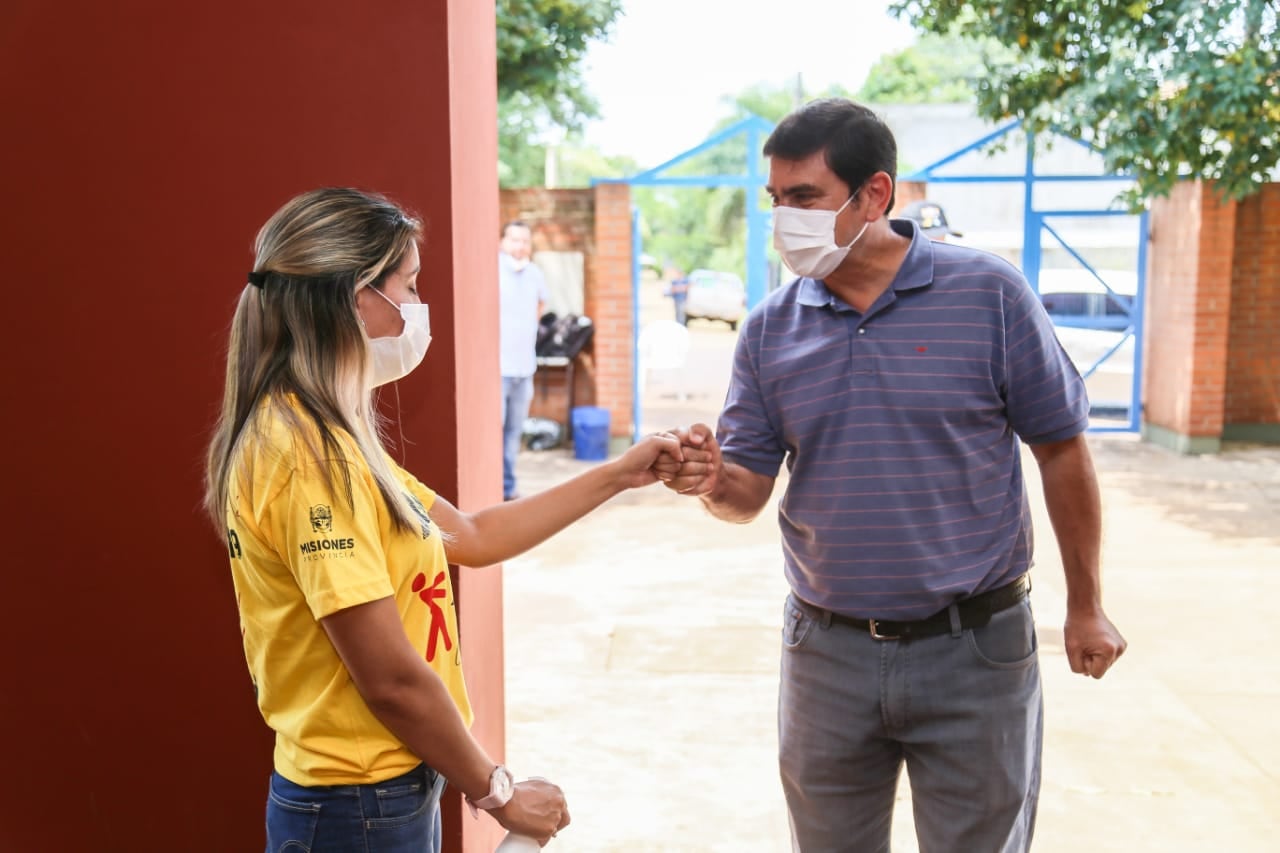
(1212, 350)
(1253, 349)
(596, 222)
(1188, 311)
(906, 192)
(608, 303)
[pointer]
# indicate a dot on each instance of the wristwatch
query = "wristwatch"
(501, 786)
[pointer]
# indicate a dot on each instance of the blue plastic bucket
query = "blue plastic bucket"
(590, 433)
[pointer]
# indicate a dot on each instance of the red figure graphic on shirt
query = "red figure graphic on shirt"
(438, 625)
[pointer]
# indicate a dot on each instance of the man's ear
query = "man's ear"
(878, 190)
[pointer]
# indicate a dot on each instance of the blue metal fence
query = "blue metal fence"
(1035, 223)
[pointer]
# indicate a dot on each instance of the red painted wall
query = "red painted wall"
(144, 143)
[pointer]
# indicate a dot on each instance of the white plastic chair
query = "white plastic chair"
(663, 347)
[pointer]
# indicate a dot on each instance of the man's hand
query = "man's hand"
(637, 467)
(699, 471)
(1093, 643)
(537, 809)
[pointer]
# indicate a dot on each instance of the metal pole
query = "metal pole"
(757, 222)
(636, 250)
(1030, 220)
(1138, 319)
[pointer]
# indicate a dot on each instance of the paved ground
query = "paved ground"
(642, 656)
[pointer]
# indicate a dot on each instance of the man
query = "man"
(931, 219)
(678, 290)
(522, 298)
(895, 378)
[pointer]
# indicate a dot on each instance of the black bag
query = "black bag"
(563, 337)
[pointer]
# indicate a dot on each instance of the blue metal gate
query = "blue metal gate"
(1110, 316)
(1099, 322)
(1110, 312)
(752, 179)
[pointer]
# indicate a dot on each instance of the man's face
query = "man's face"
(810, 184)
(517, 242)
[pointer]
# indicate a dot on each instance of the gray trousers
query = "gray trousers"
(963, 711)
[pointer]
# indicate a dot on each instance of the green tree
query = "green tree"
(577, 163)
(1163, 88)
(541, 45)
(937, 69)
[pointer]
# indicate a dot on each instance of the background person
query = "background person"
(340, 558)
(678, 290)
(522, 296)
(895, 378)
(931, 218)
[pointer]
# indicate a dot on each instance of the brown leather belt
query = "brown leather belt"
(974, 613)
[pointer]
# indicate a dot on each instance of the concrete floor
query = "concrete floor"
(642, 658)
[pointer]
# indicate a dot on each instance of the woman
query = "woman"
(340, 557)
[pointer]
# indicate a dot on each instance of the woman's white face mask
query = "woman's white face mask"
(395, 357)
(806, 239)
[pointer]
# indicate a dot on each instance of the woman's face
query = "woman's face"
(381, 318)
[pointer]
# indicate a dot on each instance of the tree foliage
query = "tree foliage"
(541, 46)
(1164, 88)
(937, 69)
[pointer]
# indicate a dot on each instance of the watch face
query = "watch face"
(503, 784)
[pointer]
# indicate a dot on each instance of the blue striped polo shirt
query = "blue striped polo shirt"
(900, 428)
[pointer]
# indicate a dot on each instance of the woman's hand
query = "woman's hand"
(537, 809)
(698, 472)
(635, 467)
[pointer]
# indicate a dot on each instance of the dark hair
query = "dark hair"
(855, 142)
(515, 223)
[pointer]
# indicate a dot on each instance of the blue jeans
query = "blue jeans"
(963, 711)
(679, 302)
(517, 394)
(400, 815)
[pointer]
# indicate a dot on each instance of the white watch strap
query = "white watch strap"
(495, 798)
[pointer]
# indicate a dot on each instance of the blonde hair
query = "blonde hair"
(298, 351)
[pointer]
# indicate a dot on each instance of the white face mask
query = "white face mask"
(806, 239)
(394, 358)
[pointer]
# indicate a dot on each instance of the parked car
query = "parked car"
(716, 295)
(1091, 323)
(1076, 299)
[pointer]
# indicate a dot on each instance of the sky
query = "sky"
(662, 75)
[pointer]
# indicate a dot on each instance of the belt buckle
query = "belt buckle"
(876, 635)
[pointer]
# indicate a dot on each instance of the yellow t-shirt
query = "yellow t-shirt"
(300, 552)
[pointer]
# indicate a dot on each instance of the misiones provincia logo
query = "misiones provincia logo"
(321, 517)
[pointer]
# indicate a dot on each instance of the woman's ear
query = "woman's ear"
(362, 296)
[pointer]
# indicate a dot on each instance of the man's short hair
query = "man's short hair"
(515, 223)
(855, 142)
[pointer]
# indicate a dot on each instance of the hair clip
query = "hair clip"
(257, 279)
